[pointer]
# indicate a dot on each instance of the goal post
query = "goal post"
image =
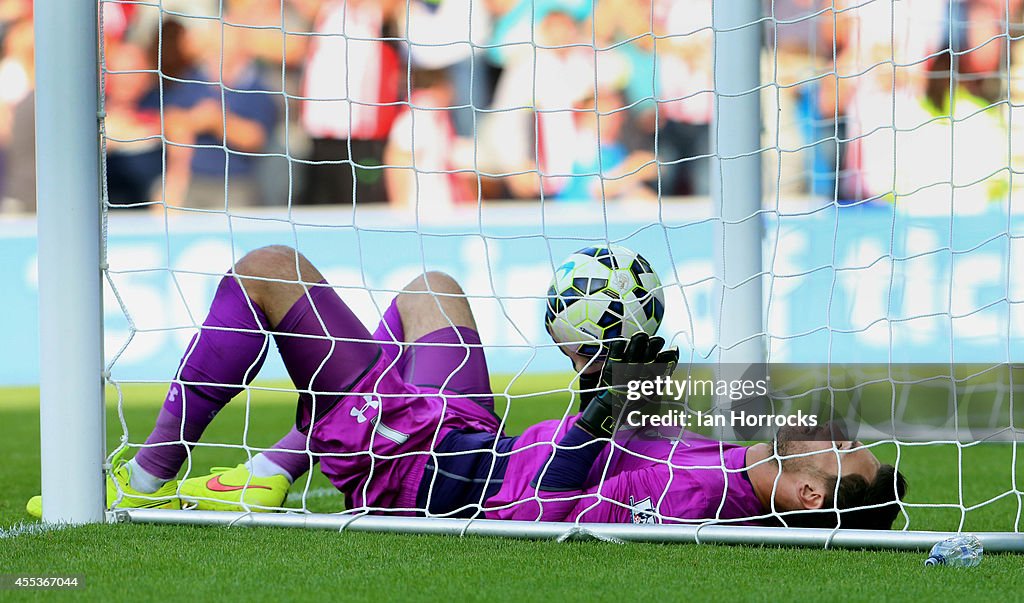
(736, 175)
(70, 250)
(736, 180)
(994, 542)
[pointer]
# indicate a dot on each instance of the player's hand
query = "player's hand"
(642, 358)
(589, 383)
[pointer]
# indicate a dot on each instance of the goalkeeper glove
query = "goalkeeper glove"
(641, 358)
(589, 383)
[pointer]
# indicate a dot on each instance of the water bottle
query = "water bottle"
(964, 550)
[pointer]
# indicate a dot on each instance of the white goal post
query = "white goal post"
(73, 269)
(68, 176)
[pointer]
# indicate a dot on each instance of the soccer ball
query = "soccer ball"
(600, 294)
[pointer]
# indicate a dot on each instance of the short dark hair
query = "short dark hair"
(845, 507)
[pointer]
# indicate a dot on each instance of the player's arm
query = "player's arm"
(641, 358)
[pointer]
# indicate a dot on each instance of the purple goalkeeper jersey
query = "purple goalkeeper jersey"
(647, 479)
(376, 443)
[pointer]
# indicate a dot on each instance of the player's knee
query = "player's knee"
(267, 262)
(425, 292)
(434, 281)
(432, 301)
(274, 267)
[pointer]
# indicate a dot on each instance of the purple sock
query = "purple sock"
(230, 359)
(298, 463)
(325, 349)
(295, 463)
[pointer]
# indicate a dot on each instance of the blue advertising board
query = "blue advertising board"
(842, 284)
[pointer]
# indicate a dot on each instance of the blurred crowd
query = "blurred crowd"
(442, 102)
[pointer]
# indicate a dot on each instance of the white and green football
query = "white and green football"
(599, 294)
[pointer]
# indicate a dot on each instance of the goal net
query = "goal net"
(826, 190)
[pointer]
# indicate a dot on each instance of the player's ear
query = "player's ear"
(810, 495)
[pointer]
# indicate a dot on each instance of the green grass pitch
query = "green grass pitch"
(139, 562)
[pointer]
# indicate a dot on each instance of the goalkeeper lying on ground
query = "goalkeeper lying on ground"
(448, 455)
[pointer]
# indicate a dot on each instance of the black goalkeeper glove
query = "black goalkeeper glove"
(640, 359)
(589, 383)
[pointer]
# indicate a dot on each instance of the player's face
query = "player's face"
(828, 452)
(584, 365)
(581, 363)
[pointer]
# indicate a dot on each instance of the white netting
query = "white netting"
(490, 140)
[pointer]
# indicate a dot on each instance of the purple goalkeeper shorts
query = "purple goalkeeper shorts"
(467, 469)
(449, 360)
(376, 441)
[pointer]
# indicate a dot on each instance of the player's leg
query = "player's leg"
(273, 289)
(218, 363)
(431, 309)
(414, 314)
(429, 339)
(397, 426)
(325, 349)
(430, 302)
(225, 355)
(221, 359)
(444, 350)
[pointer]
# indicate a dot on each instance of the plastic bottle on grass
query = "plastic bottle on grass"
(964, 550)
